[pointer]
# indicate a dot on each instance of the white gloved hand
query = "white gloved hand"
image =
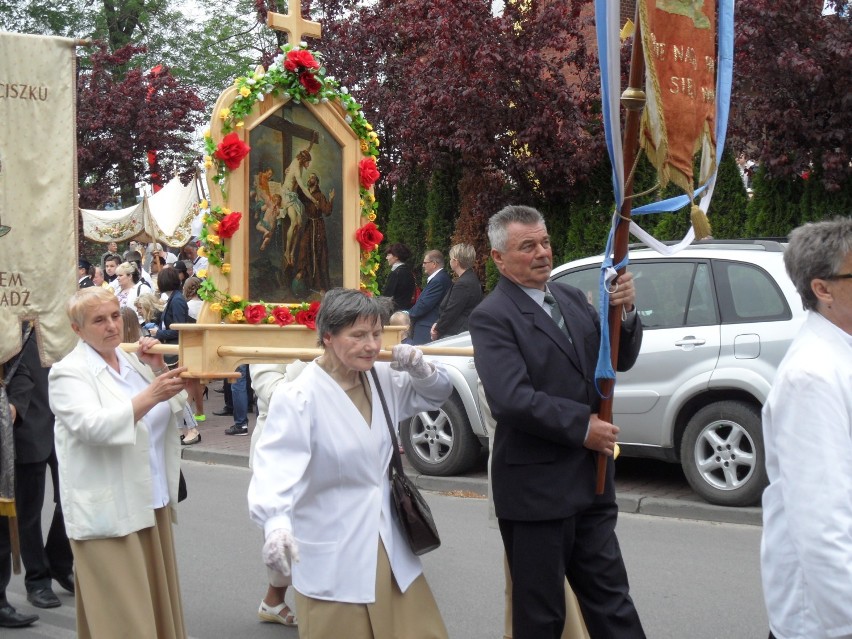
(409, 359)
(279, 550)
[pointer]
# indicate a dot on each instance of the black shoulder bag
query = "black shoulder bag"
(410, 508)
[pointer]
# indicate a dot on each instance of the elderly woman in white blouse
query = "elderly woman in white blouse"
(119, 460)
(320, 486)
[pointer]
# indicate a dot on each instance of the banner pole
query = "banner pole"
(633, 99)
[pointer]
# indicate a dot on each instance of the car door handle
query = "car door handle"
(691, 340)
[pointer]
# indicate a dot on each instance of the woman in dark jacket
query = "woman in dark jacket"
(400, 284)
(463, 296)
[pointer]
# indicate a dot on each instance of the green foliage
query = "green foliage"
(442, 206)
(727, 213)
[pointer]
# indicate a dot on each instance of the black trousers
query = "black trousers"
(583, 548)
(40, 560)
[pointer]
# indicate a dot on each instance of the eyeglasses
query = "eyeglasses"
(840, 276)
(428, 261)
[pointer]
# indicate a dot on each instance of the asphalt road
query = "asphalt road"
(689, 578)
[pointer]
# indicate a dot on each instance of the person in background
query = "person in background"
(197, 391)
(132, 332)
(329, 505)
(111, 262)
(84, 277)
(112, 249)
(182, 270)
(265, 378)
(98, 276)
(401, 318)
(129, 285)
(135, 257)
(424, 313)
(400, 283)
(464, 295)
(150, 308)
(806, 549)
(158, 263)
(535, 348)
(190, 252)
(32, 427)
(118, 449)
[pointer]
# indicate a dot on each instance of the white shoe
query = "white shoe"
(277, 614)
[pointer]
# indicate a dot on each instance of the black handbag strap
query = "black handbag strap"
(396, 460)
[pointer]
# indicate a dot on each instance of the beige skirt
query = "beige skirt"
(128, 586)
(394, 615)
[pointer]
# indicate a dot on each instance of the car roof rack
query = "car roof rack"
(770, 245)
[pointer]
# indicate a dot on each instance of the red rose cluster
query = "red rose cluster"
(369, 237)
(368, 172)
(309, 317)
(302, 62)
(229, 225)
(231, 151)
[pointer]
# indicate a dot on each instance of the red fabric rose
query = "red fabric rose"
(255, 313)
(282, 316)
(229, 225)
(300, 58)
(369, 236)
(368, 171)
(309, 317)
(311, 84)
(231, 151)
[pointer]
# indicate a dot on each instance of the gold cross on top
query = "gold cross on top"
(292, 23)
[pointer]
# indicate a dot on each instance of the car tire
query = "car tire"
(722, 454)
(440, 442)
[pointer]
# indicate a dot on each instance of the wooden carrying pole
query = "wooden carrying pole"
(633, 99)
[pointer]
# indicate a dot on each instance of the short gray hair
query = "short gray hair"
(342, 307)
(464, 254)
(817, 251)
(498, 224)
(86, 299)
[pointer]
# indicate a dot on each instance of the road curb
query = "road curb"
(628, 502)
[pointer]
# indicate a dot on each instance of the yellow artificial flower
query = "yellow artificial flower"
(270, 319)
(371, 217)
(226, 211)
(213, 239)
(372, 135)
(236, 299)
(208, 162)
(245, 91)
(362, 203)
(369, 126)
(224, 113)
(207, 133)
(214, 227)
(202, 204)
(202, 252)
(371, 197)
(202, 273)
(240, 124)
(364, 146)
(216, 307)
(236, 315)
(226, 268)
(376, 142)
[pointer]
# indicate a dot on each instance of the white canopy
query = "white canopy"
(166, 217)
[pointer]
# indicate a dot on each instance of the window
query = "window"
(747, 293)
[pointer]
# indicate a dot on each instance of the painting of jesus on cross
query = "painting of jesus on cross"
(295, 170)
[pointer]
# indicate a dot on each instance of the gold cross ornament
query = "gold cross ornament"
(292, 23)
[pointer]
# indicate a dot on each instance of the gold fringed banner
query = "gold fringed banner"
(679, 38)
(38, 191)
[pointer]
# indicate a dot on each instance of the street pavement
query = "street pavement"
(643, 486)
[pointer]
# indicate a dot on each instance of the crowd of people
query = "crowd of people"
(321, 483)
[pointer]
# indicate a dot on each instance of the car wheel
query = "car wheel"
(440, 442)
(722, 454)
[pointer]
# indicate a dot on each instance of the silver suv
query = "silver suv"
(718, 318)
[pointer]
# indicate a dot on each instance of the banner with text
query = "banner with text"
(38, 191)
(679, 38)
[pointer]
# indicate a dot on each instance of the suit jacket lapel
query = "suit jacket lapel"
(542, 321)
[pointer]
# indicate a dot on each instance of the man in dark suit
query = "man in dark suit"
(425, 311)
(84, 274)
(34, 450)
(538, 376)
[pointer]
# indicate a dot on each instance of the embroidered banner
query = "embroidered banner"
(679, 37)
(38, 191)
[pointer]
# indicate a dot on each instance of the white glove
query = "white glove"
(278, 551)
(409, 359)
